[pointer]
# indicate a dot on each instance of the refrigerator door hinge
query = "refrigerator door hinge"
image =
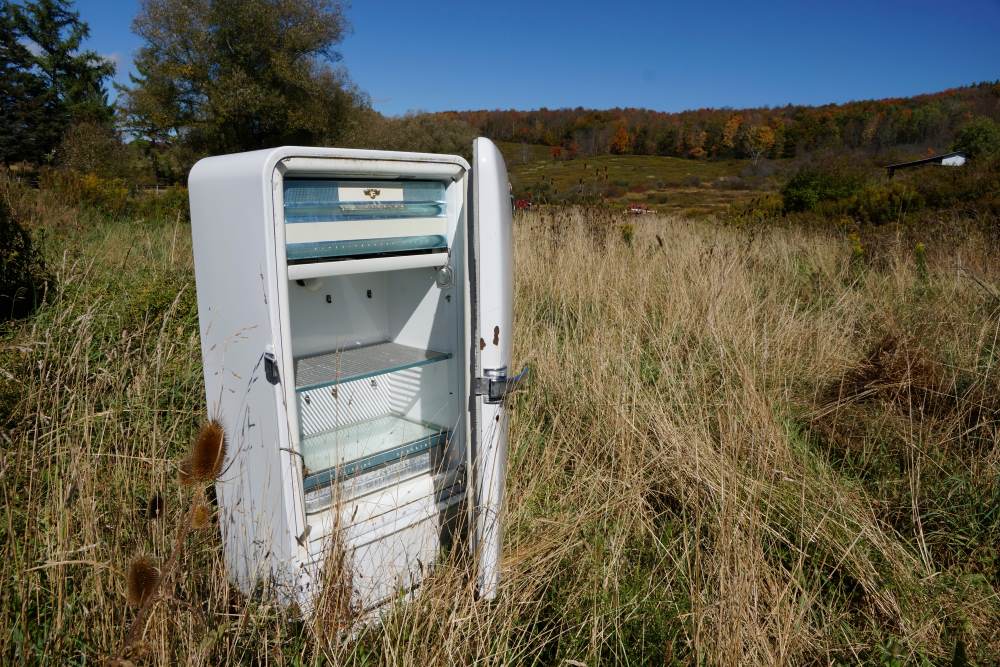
(271, 368)
(495, 385)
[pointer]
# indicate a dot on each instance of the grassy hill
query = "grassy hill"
(666, 184)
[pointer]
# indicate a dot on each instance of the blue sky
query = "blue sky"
(668, 56)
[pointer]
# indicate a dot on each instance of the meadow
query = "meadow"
(742, 445)
(667, 184)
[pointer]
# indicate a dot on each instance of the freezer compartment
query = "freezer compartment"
(330, 219)
(340, 200)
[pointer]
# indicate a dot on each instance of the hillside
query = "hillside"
(667, 184)
(893, 126)
(702, 161)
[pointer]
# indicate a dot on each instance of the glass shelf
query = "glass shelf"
(320, 491)
(307, 252)
(358, 363)
(318, 211)
(357, 448)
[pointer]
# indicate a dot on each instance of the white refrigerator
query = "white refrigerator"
(355, 310)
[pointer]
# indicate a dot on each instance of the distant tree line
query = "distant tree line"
(923, 121)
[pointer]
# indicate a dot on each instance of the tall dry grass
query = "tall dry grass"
(740, 446)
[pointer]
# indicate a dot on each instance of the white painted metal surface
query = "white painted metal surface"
(234, 257)
(494, 282)
(355, 266)
(394, 442)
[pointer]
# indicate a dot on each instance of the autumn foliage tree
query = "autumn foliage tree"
(621, 143)
(730, 131)
(756, 141)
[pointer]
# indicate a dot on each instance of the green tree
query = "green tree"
(74, 78)
(979, 138)
(48, 82)
(811, 185)
(422, 133)
(221, 76)
(97, 148)
(21, 93)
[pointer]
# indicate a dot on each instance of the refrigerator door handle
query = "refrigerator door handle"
(495, 385)
(271, 368)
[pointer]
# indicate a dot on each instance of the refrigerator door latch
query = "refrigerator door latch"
(271, 368)
(495, 384)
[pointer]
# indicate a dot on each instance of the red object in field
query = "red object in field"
(523, 204)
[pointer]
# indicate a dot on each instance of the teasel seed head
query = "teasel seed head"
(200, 514)
(143, 579)
(154, 506)
(208, 454)
(184, 473)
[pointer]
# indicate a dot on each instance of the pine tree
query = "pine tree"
(51, 85)
(22, 94)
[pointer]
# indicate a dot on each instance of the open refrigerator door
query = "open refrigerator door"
(491, 271)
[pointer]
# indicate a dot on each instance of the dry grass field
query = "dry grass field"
(741, 446)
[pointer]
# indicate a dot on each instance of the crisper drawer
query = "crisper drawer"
(391, 539)
(330, 219)
(374, 516)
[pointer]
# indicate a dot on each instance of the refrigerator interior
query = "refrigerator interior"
(376, 379)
